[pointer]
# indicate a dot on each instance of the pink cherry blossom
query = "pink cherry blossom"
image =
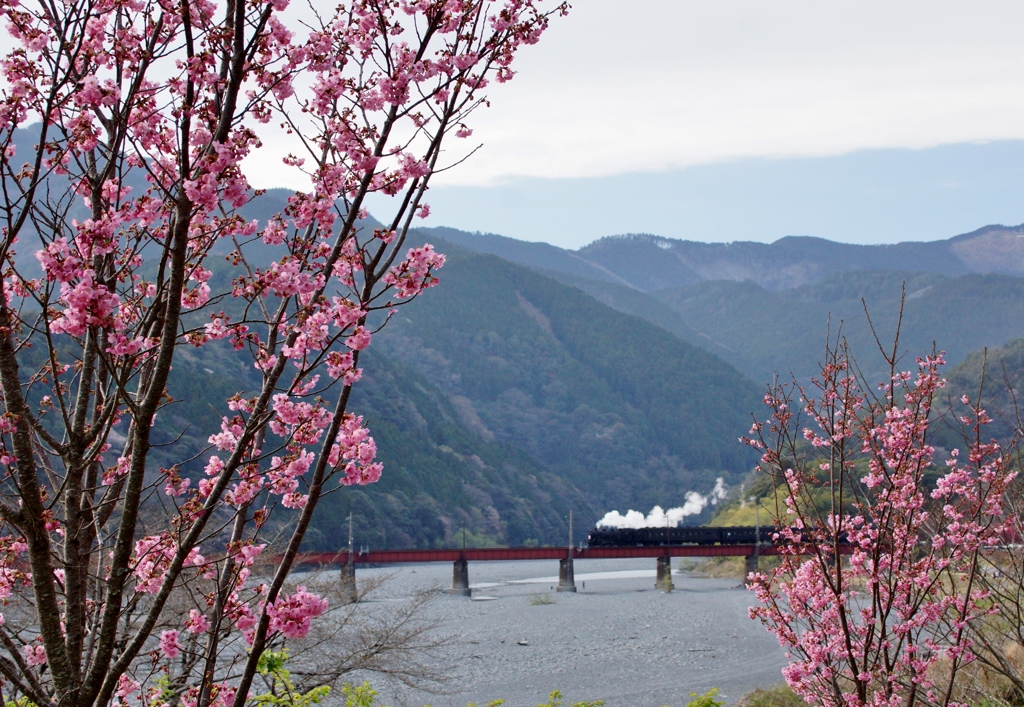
(292, 615)
(130, 129)
(890, 607)
(360, 339)
(35, 654)
(169, 645)
(196, 622)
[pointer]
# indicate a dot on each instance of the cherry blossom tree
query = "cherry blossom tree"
(127, 580)
(879, 585)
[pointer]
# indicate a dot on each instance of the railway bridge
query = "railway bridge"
(461, 557)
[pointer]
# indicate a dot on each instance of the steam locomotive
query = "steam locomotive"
(694, 535)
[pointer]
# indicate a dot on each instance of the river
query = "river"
(617, 639)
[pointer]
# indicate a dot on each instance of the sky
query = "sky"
(638, 85)
(751, 120)
(863, 121)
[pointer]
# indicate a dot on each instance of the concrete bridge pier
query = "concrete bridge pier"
(752, 565)
(347, 580)
(664, 576)
(566, 576)
(460, 579)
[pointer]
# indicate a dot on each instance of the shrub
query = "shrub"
(708, 699)
(780, 695)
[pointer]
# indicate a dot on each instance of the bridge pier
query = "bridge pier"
(752, 565)
(664, 575)
(460, 579)
(566, 576)
(347, 580)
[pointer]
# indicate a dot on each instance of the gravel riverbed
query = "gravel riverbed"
(617, 639)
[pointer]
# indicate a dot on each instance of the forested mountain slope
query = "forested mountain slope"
(625, 411)
(499, 400)
(439, 476)
(995, 376)
(764, 332)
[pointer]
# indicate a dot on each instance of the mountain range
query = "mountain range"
(537, 380)
(767, 308)
(500, 401)
(648, 263)
(628, 416)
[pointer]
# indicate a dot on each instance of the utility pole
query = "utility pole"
(348, 569)
(350, 537)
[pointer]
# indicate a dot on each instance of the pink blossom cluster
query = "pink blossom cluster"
(176, 484)
(153, 556)
(284, 475)
(35, 654)
(250, 482)
(12, 575)
(196, 622)
(342, 365)
(169, 644)
(222, 694)
(126, 687)
(150, 126)
(303, 422)
(287, 278)
(415, 273)
(292, 615)
(220, 327)
(88, 304)
(112, 473)
(238, 609)
(869, 629)
(355, 450)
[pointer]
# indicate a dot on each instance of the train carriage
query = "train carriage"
(694, 535)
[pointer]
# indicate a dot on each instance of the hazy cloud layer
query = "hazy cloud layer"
(873, 196)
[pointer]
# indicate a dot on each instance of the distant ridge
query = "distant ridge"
(766, 307)
(650, 262)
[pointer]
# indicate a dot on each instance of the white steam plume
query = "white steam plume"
(658, 518)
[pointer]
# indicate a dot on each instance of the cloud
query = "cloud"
(618, 87)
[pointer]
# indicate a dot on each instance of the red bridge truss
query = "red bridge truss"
(460, 559)
(384, 557)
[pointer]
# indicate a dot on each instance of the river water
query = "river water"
(617, 639)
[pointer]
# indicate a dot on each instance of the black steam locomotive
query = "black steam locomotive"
(695, 535)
